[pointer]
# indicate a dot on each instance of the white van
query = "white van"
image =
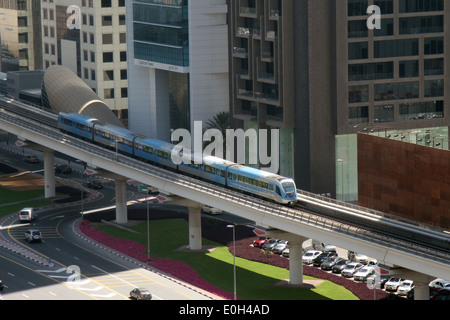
(27, 214)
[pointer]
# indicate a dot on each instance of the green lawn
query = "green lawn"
(255, 281)
(26, 197)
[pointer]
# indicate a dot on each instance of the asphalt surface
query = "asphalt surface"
(67, 264)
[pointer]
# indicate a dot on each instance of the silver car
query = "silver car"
(350, 269)
(32, 235)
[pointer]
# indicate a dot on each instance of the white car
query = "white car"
(363, 273)
(404, 287)
(440, 284)
(27, 214)
(350, 269)
(310, 255)
(211, 210)
(392, 284)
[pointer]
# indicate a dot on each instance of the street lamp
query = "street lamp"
(234, 257)
(341, 162)
(81, 188)
(148, 230)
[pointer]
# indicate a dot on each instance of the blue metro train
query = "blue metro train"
(239, 177)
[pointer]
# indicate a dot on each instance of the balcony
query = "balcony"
(245, 94)
(239, 52)
(266, 77)
(274, 14)
(247, 12)
(268, 98)
(243, 32)
(271, 35)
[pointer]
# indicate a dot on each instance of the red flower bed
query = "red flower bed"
(137, 251)
(244, 250)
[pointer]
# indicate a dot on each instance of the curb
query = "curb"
(77, 231)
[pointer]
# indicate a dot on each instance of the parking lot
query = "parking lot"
(351, 265)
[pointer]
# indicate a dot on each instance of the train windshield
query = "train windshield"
(289, 187)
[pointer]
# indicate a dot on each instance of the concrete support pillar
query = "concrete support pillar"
(421, 291)
(295, 259)
(195, 228)
(121, 201)
(49, 173)
(421, 281)
(295, 254)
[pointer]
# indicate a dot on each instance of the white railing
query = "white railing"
(211, 190)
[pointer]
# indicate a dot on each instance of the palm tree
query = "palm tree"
(222, 122)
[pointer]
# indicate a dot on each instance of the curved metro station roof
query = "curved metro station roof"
(66, 92)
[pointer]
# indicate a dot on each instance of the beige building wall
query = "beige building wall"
(102, 48)
(20, 33)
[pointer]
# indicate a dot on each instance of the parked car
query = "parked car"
(433, 292)
(357, 257)
(260, 241)
(328, 263)
(64, 168)
(310, 255)
(280, 246)
(372, 262)
(96, 185)
(325, 247)
(268, 246)
(140, 294)
(363, 273)
(321, 257)
(211, 210)
(31, 159)
(27, 214)
(441, 284)
(32, 235)
(350, 269)
(392, 284)
(383, 279)
(443, 294)
(404, 287)
(337, 268)
(285, 252)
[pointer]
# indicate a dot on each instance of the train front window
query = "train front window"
(288, 187)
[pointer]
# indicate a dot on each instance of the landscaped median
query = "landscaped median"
(211, 271)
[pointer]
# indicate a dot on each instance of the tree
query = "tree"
(221, 121)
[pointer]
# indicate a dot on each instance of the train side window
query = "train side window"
(277, 190)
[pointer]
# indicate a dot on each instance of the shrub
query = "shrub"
(246, 251)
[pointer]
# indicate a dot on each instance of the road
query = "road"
(99, 274)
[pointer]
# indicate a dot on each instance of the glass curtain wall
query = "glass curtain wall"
(161, 31)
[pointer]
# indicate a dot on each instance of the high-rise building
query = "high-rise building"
(95, 51)
(395, 75)
(390, 75)
(321, 70)
(20, 35)
(177, 63)
(262, 73)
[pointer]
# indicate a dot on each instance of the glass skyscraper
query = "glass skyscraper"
(161, 31)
